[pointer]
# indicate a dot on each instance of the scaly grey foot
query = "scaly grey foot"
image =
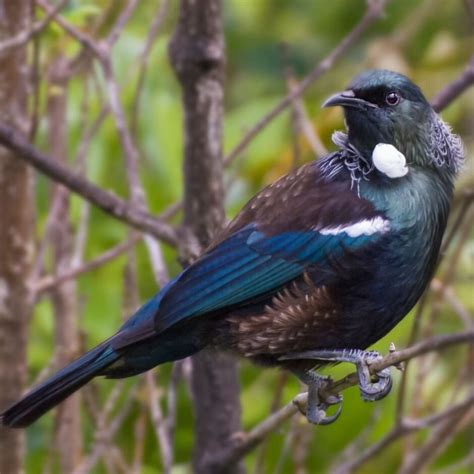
(316, 405)
(372, 387)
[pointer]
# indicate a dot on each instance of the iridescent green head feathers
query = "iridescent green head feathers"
(386, 107)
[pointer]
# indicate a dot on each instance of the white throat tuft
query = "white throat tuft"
(389, 161)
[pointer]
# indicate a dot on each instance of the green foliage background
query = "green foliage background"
(431, 41)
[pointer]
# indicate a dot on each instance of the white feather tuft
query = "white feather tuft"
(389, 161)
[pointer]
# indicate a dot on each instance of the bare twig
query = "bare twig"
(248, 441)
(139, 438)
(105, 435)
(407, 426)
(87, 136)
(131, 153)
(159, 424)
(122, 20)
(16, 230)
(105, 200)
(215, 384)
(78, 35)
(26, 35)
(439, 438)
(455, 88)
(447, 293)
(304, 122)
(155, 28)
(374, 11)
(275, 404)
(81, 236)
(49, 282)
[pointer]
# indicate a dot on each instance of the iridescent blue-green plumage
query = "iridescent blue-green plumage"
(331, 256)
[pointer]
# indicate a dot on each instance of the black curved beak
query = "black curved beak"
(348, 99)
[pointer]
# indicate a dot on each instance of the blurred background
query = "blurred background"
(270, 45)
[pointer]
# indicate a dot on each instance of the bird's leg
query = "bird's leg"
(372, 387)
(316, 406)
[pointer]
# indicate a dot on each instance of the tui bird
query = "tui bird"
(314, 269)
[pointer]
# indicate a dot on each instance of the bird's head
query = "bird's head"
(382, 106)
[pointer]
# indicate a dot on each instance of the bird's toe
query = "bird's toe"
(377, 389)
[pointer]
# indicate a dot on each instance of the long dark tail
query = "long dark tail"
(58, 387)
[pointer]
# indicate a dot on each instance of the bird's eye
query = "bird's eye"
(392, 98)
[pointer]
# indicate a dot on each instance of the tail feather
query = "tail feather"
(58, 387)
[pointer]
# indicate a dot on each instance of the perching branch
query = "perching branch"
(251, 439)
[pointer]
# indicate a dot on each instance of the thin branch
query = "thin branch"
(248, 441)
(375, 9)
(405, 427)
(137, 196)
(434, 344)
(143, 61)
(101, 49)
(49, 282)
(105, 434)
(139, 438)
(455, 88)
(95, 48)
(159, 424)
(122, 20)
(439, 438)
(108, 202)
(87, 136)
(303, 121)
(26, 35)
(81, 236)
(275, 405)
(357, 444)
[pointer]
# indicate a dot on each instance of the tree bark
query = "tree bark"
(67, 423)
(16, 231)
(198, 57)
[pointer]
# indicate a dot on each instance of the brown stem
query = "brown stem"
(374, 11)
(197, 55)
(153, 32)
(439, 438)
(406, 427)
(24, 36)
(67, 431)
(455, 88)
(108, 202)
(260, 432)
(16, 230)
(137, 196)
(49, 282)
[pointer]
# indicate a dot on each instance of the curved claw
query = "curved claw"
(318, 415)
(372, 387)
(323, 419)
(373, 391)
